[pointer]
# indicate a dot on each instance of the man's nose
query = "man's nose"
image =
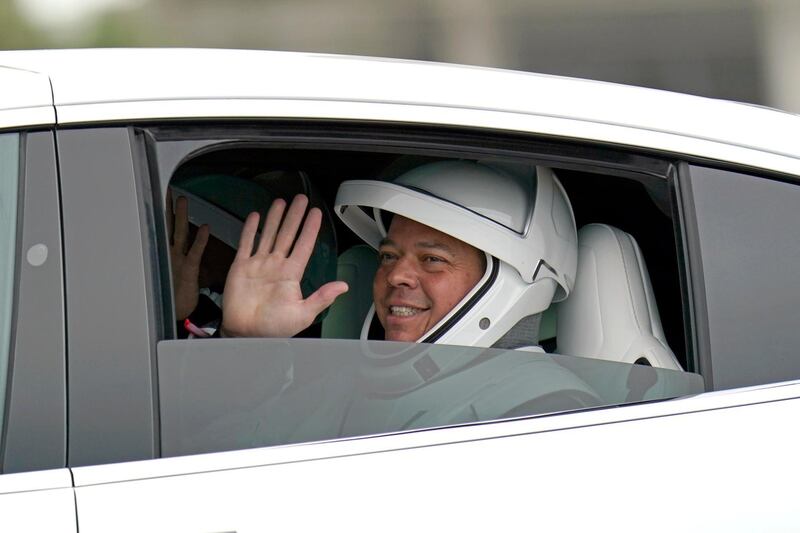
(403, 274)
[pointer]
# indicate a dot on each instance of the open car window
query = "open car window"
(223, 394)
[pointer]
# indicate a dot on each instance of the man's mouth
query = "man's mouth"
(404, 310)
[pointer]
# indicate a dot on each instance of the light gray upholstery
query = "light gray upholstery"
(356, 267)
(611, 313)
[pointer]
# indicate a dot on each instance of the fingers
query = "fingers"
(291, 223)
(271, 226)
(248, 236)
(323, 297)
(198, 247)
(181, 223)
(304, 246)
(280, 231)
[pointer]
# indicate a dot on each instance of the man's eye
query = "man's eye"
(432, 259)
(386, 257)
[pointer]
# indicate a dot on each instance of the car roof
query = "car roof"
(111, 76)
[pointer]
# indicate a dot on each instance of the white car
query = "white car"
(112, 421)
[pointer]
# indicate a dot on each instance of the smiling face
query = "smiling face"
(423, 274)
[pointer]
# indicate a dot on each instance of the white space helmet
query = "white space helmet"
(519, 216)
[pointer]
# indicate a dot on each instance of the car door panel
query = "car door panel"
(514, 482)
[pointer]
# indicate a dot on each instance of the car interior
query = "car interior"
(628, 296)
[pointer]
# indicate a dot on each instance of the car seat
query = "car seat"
(611, 313)
(356, 266)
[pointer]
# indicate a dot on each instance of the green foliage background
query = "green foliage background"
(744, 50)
(16, 31)
(109, 28)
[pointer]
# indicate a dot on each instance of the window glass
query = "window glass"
(750, 248)
(323, 383)
(244, 393)
(9, 170)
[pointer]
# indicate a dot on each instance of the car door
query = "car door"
(610, 470)
(160, 396)
(35, 486)
(132, 444)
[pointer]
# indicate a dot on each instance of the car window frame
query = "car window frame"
(168, 145)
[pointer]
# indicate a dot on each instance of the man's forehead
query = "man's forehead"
(420, 235)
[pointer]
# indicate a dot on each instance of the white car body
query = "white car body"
(109, 85)
(599, 470)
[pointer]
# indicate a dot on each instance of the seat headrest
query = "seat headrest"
(611, 313)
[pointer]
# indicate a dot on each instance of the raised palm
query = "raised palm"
(262, 291)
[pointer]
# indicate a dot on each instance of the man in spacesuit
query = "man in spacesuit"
(472, 255)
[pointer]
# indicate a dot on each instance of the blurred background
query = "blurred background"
(745, 50)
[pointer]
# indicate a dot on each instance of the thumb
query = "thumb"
(323, 297)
